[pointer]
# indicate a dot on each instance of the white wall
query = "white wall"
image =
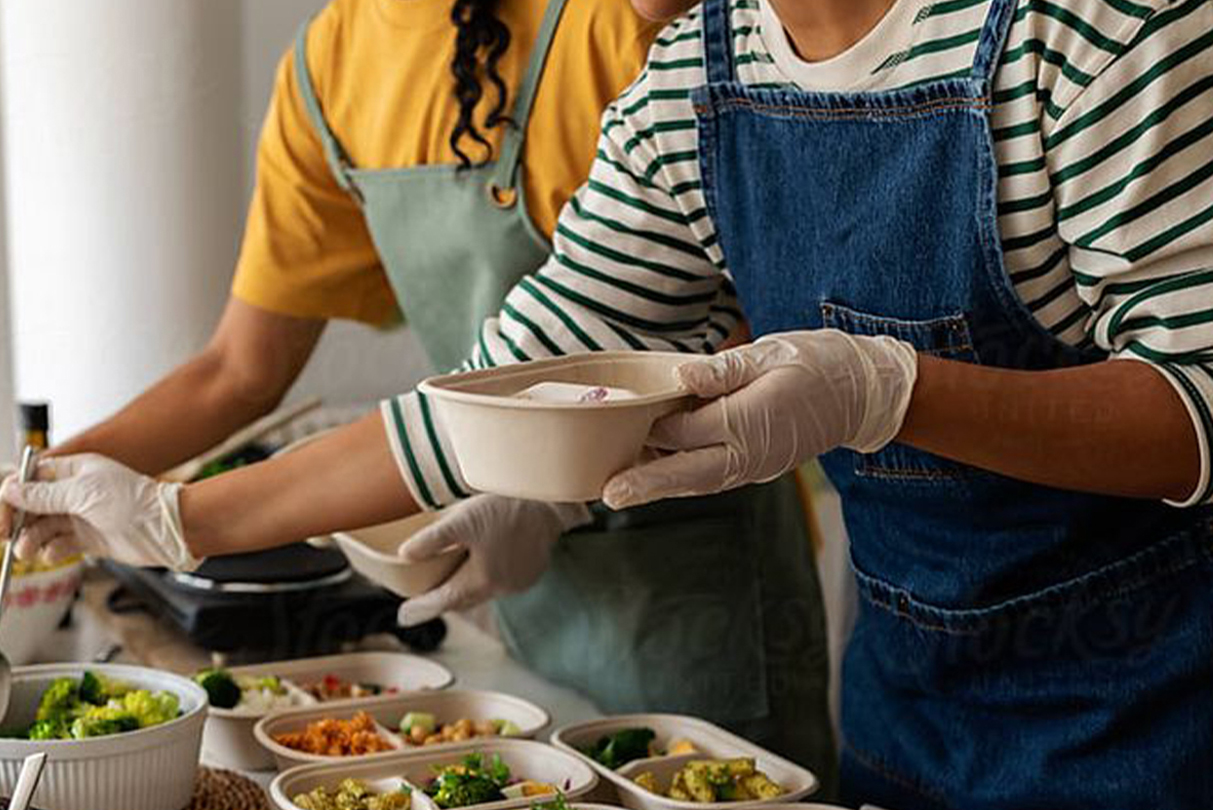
(7, 442)
(228, 51)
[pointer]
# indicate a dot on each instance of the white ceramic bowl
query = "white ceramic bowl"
(554, 451)
(525, 758)
(447, 707)
(710, 741)
(36, 603)
(372, 553)
(150, 769)
(229, 741)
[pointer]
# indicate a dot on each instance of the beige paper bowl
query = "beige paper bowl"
(553, 451)
(372, 553)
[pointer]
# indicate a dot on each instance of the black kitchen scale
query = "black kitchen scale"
(286, 602)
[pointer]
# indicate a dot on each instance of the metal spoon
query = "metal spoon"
(27, 781)
(6, 574)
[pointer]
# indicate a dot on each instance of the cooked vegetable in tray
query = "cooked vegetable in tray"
(472, 781)
(260, 694)
(337, 738)
(353, 794)
(716, 780)
(422, 728)
(96, 706)
(267, 693)
(627, 745)
(476, 780)
(330, 687)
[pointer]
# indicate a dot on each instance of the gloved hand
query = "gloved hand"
(94, 505)
(508, 543)
(777, 403)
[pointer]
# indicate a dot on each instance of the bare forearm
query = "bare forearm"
(1116, 428)
(346, 480)
(186, 413)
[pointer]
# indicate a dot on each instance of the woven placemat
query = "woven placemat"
(225, 790)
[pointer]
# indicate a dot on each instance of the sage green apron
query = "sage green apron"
(710, 606)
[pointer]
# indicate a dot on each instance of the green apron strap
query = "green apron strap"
(511, 150)
(339, 161)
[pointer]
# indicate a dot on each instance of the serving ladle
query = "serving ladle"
(27, 781)
(6, 574)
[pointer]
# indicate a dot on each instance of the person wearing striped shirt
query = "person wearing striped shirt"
(943, 219)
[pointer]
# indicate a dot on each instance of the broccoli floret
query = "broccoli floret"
(469, 783)
(92, 690)
(59, 700)
(622, 747)
(221, 688)
(102, 721)
(151, 708)
(48, 730)
(465, 791)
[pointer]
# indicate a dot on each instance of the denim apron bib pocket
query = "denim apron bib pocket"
(1017, 646)
(672, 607)
(945, 336)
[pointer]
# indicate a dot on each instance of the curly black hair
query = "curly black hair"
(481, 39)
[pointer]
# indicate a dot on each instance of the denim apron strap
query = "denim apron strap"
(506, 174)
(718, 41)
(339, 162)
(993, 40)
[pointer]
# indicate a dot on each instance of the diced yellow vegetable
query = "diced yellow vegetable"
(648, 781)
(679, 747)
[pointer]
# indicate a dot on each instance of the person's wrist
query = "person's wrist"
(888, 372)
(196, 537)
(181, 556)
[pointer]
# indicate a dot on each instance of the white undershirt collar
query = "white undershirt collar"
(850, 70)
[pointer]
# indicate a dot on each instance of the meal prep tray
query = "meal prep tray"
(710, 741)
(447, 706)
(525, 758)
(229, 741)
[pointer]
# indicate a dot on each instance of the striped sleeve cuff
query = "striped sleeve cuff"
(423, 454)
(1194, 384)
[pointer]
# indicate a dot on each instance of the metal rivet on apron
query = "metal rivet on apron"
(502, 197)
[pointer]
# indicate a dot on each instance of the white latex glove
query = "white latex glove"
(776, 403)
(508, 543)
(93, 505)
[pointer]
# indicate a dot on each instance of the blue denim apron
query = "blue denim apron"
(1017, 646)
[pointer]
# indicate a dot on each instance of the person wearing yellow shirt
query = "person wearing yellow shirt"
(413, 161)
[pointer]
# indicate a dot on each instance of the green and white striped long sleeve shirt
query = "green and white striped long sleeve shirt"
(1103, 126)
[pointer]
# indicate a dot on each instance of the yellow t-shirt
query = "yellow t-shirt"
(381, 69)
